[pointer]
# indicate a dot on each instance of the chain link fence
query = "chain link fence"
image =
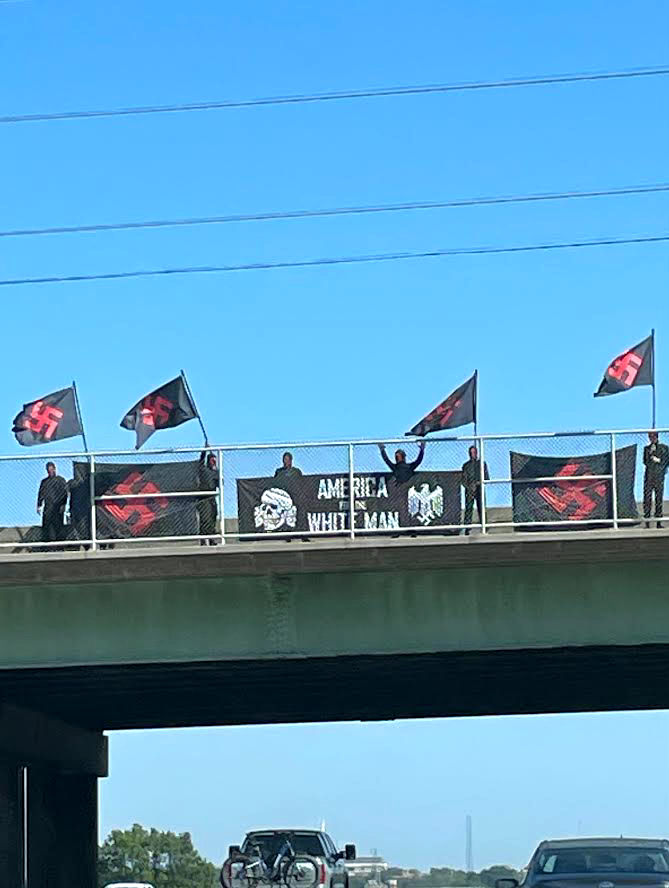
(400, 488)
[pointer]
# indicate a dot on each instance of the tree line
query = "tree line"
(170, 860)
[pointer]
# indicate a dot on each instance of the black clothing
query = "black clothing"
(52, 496)
(473, 494)
(52, 492)
(80, 507)
(207, 508)
(290, 473)
(402, 471)
(471, 481)
(656, 461)
(471, 473)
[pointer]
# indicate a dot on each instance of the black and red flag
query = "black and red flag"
(166, 407)
(636, 366)
(572, 490)
(458, 409)
(134, 499)
(51, 418)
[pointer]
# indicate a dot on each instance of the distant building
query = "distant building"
(366, 867)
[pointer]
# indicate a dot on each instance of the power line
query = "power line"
(336, 211)
(334, 96)
(335, 260)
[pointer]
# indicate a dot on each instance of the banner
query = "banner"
(153, 516)
(318, 503)
(47, 419)
(567, 499)
(166, 407)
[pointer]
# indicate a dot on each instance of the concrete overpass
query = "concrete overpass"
(277, 632)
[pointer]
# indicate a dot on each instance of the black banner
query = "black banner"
(51, 418)
(153, 516)
(318, 503)
(567, 499)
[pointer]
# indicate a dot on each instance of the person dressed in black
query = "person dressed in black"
(207, 509)
(401, 469)
(51, 502)
(471, 481)
(287, 471)
(289, 474)
(656, 461)
(80, 506)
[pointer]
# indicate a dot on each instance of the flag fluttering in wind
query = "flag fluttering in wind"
(166, 407)
(634, 367)
(51, 418)
(458, 409)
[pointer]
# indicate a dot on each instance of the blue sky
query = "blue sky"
(348, 351)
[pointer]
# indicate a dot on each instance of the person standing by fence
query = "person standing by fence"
(656, 461)
(51, 502)
(471, 481)
(207, 477)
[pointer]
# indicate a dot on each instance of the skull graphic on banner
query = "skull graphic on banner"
(275, 510)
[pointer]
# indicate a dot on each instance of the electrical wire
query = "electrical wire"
(336, 260)
(335, 96)
(337, 211)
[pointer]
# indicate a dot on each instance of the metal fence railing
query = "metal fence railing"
(445, 486)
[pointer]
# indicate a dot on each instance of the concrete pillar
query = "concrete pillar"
(62, 829)
(11, 825)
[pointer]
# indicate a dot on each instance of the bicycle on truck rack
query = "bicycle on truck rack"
(261, 867)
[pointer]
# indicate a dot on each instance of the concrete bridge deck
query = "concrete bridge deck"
(339, 628)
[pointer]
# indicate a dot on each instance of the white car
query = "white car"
(128, 885)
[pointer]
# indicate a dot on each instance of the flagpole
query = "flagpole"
(78, 408)
(476, 402)
(652, 334)
(197, 412)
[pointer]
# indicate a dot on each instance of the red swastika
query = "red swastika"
(137, 514)
(43, 419)
(444, 412)
(625, 368)
(155, 412)
(578, 494)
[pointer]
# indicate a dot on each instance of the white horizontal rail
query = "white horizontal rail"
(553, 479)
(160, 494)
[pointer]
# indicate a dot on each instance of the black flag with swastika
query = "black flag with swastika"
(47, 419)
(562, 498)
(458, 409)
(166, 407)
(633, 367)
(133, 500)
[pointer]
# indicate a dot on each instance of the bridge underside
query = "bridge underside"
(335, 630)
(322, 631)
(571, 679)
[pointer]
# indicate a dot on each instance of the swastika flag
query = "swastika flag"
(166, 407)
(636, 366)
(458, 409)
(47, 419)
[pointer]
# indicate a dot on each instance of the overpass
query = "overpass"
(344, 626)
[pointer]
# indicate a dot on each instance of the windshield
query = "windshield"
(270, 843)
(603, 860)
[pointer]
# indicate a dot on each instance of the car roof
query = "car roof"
(618, 841)
(286, 829)
(128, 885)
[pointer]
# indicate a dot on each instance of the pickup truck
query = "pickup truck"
(296, 858)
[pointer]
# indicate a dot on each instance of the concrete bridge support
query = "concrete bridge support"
(48, 801)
